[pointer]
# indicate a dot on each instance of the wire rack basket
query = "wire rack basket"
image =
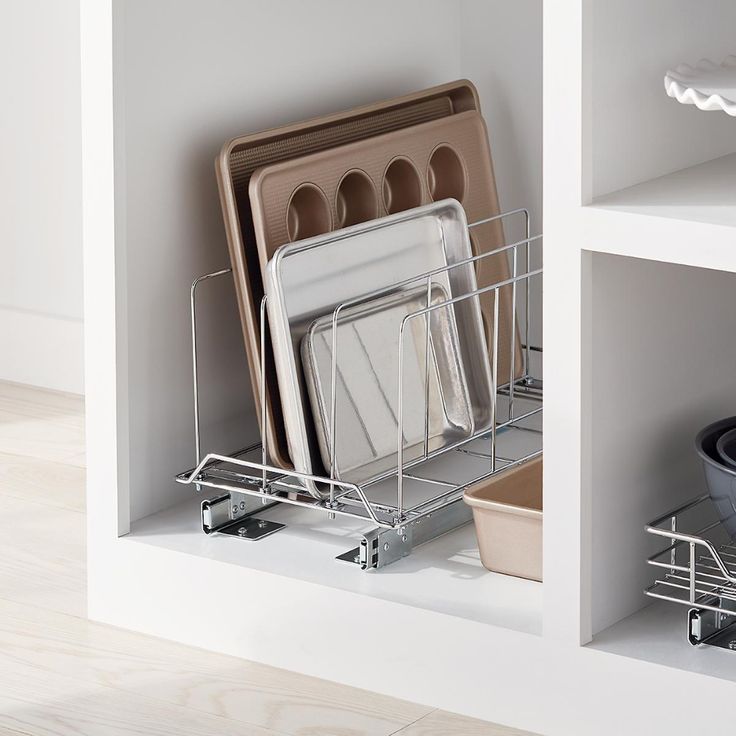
(422, 497)
(697, 569)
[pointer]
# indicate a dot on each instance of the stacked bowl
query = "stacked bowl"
(716, 445)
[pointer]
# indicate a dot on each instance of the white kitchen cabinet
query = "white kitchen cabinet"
(639, 255)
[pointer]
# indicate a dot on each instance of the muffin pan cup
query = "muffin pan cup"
(240, 157)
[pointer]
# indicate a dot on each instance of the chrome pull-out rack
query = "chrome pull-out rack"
(246, 484)
(698, 570)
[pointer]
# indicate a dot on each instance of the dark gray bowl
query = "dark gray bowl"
(726, 448)
(720, 479)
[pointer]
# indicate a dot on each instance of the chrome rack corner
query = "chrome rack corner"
(697, 569)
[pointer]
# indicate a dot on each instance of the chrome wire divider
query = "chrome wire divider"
(248, 484)
(698, 570)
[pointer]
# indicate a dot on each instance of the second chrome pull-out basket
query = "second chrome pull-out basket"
(420, 498)
(697, 569)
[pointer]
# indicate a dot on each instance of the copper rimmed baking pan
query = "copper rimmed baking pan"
(436, 404)
(311, 278)
(395, 171)
(240, 157)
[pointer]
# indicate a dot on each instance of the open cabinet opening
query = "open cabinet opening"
(660, 370)
(678, 160)
(177, 111)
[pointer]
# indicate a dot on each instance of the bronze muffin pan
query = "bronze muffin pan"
(440, 159)
(240, 157)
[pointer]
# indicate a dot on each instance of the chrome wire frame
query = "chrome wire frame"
(706, 578)
(248, 472)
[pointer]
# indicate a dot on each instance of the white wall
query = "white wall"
(40, 188)
(640, 133)
(501, 52)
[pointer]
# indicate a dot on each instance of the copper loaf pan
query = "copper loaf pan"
(507, 511)
(240, 157)
(445, 158)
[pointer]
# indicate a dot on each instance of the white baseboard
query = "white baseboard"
(42, 350)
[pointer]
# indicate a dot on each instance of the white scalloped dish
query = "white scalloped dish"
(707, 85)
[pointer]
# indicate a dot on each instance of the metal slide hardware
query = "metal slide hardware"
(246, 485)
(380, 547)
(714, 628)
(232, 513)
(698, 570)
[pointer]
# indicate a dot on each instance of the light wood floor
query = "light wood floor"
(61, 674)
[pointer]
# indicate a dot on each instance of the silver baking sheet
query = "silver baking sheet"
(435, 401)
(310, 278)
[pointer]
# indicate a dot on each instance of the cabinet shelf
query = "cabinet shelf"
(656, 634)
(686, 217)
(445, 576)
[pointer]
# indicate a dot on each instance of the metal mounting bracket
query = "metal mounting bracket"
(527, 387)
(714, 628)
(233, 514)
(380, 547)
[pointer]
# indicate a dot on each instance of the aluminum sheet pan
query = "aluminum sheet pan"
(309, 279)
(435, 408)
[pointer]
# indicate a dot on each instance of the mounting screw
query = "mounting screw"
(235, 508)
(242, 531)
(732, 644)
(242, 505)
(262, 524)
(403, 538)
(385, 547)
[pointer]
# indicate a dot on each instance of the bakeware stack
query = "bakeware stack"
(315, 177)
(240, 157)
